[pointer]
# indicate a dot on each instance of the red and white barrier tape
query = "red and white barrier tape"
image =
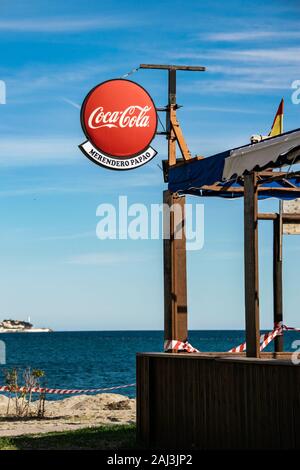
(237, 349)
(60, 391)
(265, 339)
(290, 328)
(173, 345)
(268, 337)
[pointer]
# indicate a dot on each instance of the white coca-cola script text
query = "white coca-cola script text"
(133, 116)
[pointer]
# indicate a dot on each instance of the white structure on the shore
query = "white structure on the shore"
(18, 326)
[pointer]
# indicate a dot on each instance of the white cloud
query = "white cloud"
(249, 36)
(245, 71)
(223, 109)
(37, 151)
(253, 71)
(34, 79)
(275, 55)
(287, 54)
(236, 86)
(67, 25)
(57, 150)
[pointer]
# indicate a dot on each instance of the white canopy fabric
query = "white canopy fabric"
(260, 155)
(227, 168)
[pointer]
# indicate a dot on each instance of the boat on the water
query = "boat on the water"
(19, 326)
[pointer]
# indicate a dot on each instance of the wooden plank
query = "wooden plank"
(271, 357)
(143, 398)
(175, 284)
(277, 279)
(208, 403)
(251, 265)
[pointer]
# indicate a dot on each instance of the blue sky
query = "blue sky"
(52, 53)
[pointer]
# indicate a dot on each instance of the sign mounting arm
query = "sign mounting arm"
(174, 131)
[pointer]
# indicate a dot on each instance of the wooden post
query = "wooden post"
(251, 265)
(175, 288)
(277, 278)
(171, 109)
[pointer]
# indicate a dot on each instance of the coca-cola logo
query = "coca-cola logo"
(120, 120)
(127, 118)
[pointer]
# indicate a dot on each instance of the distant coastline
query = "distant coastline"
(19, 326)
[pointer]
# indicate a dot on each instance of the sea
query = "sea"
(100, 359)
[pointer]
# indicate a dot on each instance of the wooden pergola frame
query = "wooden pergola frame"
(251, 262)
(175, 272)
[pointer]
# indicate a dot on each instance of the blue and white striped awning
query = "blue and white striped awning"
(227, 168)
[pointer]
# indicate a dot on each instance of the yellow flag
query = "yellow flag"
(277, 127)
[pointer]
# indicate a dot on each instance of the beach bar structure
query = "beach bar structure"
(248, 399)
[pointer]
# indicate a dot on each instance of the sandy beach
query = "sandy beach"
(69, 414)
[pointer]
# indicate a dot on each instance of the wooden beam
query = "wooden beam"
(266, 216)
(172, 108)
(271, 173)
(175, 285)
(290, 218)
(286, 218)
(179, 135)
(277, 279)
(217, 188)
(251, 265)
(278, 176)
(233, 189)
(187, 68)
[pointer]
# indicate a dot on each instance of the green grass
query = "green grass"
(103, 437)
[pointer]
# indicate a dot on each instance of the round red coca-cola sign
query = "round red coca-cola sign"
(119, 120)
